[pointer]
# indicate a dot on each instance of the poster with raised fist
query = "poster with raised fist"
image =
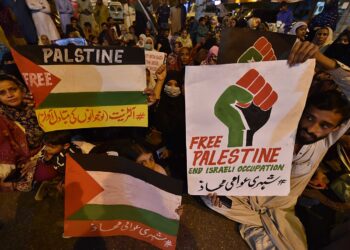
(257, 46)
(241, 126)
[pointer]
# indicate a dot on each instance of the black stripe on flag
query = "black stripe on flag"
(82, 55)
(105, 163)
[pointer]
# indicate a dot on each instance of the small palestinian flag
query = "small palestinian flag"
(84, 87)
(108, 196)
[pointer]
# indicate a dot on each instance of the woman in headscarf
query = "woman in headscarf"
(142, 40)
(340, 52)
(299, 29)
(170, 119)
(149, 45)
(212, 56)
(323, 38)
(20, 134)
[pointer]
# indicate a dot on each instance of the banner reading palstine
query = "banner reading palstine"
(84, 87)
(241, 140)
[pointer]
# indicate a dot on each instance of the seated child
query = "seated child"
(141, 155)
(50, 168)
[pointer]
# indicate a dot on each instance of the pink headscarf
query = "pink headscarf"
(214, 51)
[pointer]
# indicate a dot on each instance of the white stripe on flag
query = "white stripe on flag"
(98, 78)
(128, 190)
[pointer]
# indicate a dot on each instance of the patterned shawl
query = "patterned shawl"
(25, 116)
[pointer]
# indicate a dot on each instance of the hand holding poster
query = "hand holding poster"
(154, 60)
(83, 87)
(107, 196)
(241, 140)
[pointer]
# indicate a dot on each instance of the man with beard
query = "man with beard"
(269, 222)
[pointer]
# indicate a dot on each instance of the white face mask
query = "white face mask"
(148, 46)
(172, 91)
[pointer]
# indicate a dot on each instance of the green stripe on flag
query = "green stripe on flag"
(93, 99)
(124, 212)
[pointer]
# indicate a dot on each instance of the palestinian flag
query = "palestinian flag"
(107, 196)
(84, 87)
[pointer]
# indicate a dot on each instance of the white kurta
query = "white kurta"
(41, 14)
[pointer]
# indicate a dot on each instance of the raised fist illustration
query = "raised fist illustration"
(245, 107)
(260, 51)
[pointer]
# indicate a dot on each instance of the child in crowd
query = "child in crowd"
(173, 58)
(141, 155)
(185, 39)
(50, 168)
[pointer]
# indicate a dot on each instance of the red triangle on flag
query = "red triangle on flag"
(39, 81)
(80, 187)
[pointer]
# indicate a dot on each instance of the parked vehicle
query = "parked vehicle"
(116, 10)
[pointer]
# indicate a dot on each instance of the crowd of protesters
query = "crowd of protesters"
(35, 160)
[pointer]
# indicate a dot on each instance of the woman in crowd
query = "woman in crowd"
(212, 56)
(323, 38)
(142, 40)
(149, 44)
(21, 136)
(170, 119)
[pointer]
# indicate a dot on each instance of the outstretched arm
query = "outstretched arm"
(302, 51)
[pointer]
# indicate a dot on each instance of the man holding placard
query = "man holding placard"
(269, 222)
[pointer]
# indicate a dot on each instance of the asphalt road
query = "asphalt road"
(29, 224)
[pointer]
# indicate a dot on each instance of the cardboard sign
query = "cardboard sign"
(240, 141)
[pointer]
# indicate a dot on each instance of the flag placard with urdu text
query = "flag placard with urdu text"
(83, 87)
(108, 196)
